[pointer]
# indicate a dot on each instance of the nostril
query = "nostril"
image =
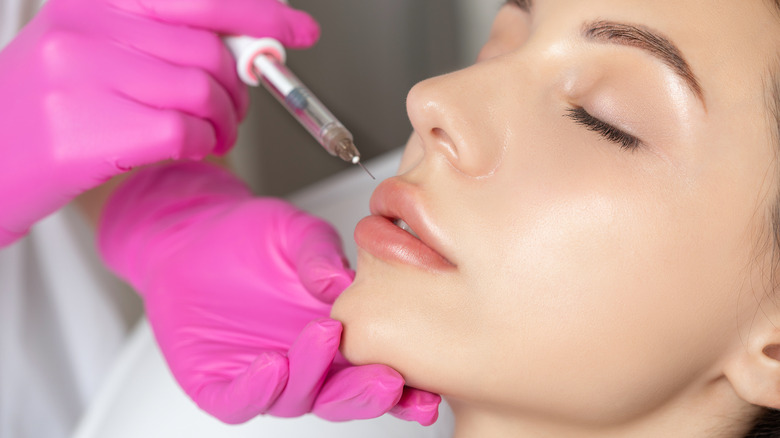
(446, 144)
(772, 351)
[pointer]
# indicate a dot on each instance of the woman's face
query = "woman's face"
(591, 199)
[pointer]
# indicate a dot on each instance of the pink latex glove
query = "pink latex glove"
(238, 291)
(91, 88)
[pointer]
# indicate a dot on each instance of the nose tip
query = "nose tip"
(454, 120)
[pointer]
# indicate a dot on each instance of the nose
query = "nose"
(511, 29)
(455, 118)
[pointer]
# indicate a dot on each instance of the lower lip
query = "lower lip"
(383, 239)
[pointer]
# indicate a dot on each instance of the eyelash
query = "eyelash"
(582, 118)
(522, 4)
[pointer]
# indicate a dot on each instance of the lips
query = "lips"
(391, 232)
(400, 223)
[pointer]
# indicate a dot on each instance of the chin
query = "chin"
(350, 309)
(373, 327)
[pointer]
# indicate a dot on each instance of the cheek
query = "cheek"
(590, 284)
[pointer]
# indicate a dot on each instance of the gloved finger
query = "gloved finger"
(247, 395)
(315, 248)
(256, 18)
(185, 47)
(189, 90)
(161, 135)
(417, 405)
(144, 128)
(359, 392)
(310, 358)
(135, 135)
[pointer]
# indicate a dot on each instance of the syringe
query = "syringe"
(262, 61)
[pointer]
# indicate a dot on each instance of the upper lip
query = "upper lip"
(397, 199)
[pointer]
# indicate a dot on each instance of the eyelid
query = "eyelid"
(522, 4)
(581, 117)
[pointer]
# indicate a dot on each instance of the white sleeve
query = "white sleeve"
(13, 15)
(63, 319)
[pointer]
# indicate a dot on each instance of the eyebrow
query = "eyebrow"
(648, 40)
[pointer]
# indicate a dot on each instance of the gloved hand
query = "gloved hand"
(91, 88)
(238, 291)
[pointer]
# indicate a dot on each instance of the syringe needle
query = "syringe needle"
(364, 168)
(262, 61)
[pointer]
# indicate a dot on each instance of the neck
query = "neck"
(684, 418)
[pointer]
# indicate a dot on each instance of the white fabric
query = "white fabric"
(63, 318)
(13, 15)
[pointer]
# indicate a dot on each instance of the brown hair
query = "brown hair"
(767, 425)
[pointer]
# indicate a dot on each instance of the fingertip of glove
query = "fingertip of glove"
(419, 406)
(318, 335)
(330, 328)
(334, 285)
(270, 371)
(326, 281)
(387, 380)
(427, 418)
(317, 343)
(375, 381)
(306, 30)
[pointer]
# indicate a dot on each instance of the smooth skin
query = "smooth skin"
(596, 289)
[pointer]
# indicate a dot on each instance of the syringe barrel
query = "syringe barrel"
(302, 104)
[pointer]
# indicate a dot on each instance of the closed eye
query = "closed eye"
(615, 135)
(522, 4)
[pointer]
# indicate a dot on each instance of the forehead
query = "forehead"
(729, 44)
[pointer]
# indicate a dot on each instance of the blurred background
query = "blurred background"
(369, 56)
